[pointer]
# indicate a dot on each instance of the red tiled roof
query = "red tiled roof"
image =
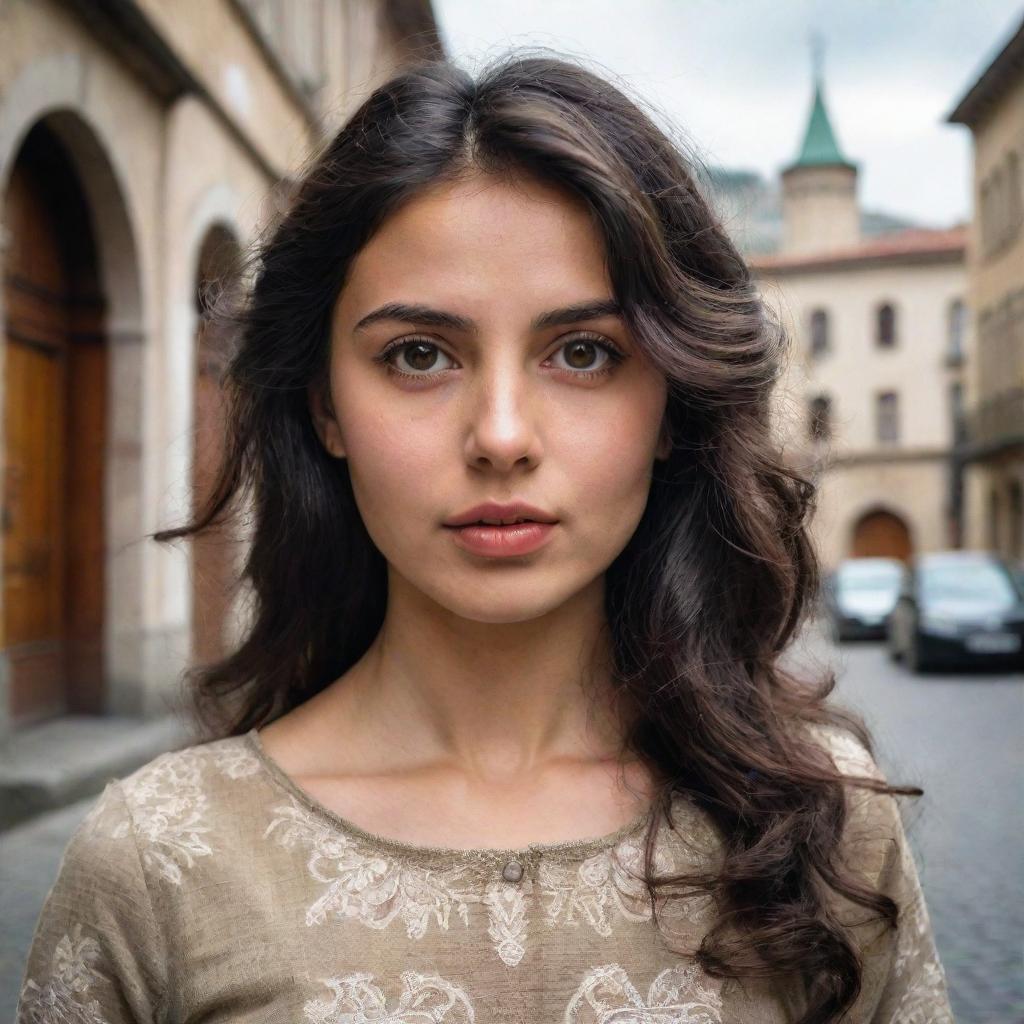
(895, 244)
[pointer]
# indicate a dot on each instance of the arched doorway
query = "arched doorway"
(214, 574)
(55, 416)
(880, 534)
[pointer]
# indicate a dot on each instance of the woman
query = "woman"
(466, 768)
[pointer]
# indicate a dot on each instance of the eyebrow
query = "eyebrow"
(591, 309)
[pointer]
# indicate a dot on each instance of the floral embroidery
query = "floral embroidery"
(916, 959)
(678, 995)
(169, 804)
(367, 886)
(374, 888)
(65, 993)
(506, 905)
(424, 999)
(234, 760)
(607, 881)
(848, 754)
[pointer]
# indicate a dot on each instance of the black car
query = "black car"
(958, 609)
(858, 595)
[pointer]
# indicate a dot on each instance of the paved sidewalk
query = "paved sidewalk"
(56, 763)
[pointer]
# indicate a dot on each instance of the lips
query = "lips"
(495, 524)
(502, 541)
(499, 514)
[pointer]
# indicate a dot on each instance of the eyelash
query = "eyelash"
(616, 356)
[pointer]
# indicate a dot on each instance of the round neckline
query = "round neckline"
(580, 848)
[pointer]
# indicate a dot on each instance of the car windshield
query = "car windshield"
(968, 581)
(853, 578)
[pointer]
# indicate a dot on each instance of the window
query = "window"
(985, 204)
(819, 332)
(1001, 204)
(968, 579)
(1000, 220)
(885, 326)
(1015, 198)
(956, 322)
(887, 427)
(819, 424)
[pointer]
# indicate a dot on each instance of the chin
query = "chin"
(499, 604)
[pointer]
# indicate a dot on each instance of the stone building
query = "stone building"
(140, 142)
(871, 401)
(992, 452)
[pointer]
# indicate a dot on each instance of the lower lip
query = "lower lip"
(498, 541)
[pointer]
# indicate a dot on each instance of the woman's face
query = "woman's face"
(492, 405)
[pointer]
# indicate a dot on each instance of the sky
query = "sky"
(735, 77)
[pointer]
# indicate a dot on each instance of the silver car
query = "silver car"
(859, 595)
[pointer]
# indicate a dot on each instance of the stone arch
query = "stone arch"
(48, 93)
(214, 212)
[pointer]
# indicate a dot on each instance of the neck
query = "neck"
(494, 700)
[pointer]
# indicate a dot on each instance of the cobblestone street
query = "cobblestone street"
(957, 736)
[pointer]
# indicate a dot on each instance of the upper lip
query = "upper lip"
(495, 510)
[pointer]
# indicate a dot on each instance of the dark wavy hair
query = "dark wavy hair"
(720, 572)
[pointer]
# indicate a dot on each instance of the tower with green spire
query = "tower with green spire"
(819, 188)
(820, 148)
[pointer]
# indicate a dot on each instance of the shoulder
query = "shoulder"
(172, 783)
(97, 854)
(174, 805)
(873, 832)
(230, 757)
(848, 753)
(97, 946)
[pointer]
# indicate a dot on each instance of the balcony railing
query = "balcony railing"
(996, 423)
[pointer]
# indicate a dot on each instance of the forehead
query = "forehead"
(484, 247)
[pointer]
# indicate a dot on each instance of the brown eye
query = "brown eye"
(420, 356)
(580, 354)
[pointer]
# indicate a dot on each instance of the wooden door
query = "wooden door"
(881, 534)
(53, 450)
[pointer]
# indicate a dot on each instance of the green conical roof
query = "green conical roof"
(820, 146)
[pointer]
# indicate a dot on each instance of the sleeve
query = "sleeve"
(913, 987)
(96, 955)
(904, 980)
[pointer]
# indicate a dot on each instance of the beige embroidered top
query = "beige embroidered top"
(207, 886)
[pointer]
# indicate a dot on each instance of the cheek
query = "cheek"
(609, 468)
(393, 462)
(618, 438)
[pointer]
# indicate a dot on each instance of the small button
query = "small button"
(512, 871)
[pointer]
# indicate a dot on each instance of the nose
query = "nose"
(503, 417)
